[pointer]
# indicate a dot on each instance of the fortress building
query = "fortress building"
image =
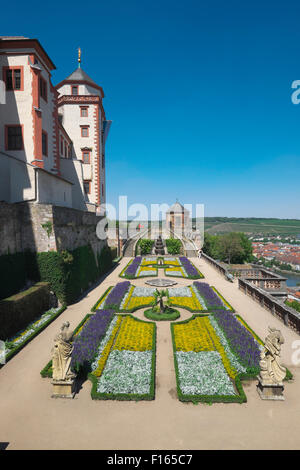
(52, 139)
(177, 218)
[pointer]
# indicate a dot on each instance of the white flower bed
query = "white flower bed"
(125, 298)
(146, 272)
(231, 356)
(126, 372)
(174, 273)
(143, 292)
(180, 292)
(103, 343)
(20, 338)
(203, 373)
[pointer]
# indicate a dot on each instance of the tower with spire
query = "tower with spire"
(82, 119)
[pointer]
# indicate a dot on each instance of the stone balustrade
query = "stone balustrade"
(287, 315)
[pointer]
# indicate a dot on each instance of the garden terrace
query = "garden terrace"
(177, 422)
(148, 267)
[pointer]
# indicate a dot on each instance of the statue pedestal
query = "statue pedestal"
(63, 388)
(270, 391)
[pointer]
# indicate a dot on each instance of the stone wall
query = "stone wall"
(44, 227)
(276, 307)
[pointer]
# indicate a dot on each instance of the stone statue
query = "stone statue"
(272, 372)
(62, 354)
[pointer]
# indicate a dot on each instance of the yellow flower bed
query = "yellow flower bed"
(191, 303)
(193, 336)
(173, 263)
(102, 361)
(199, 335)
(147, 263)
(134, 335)
(175, 269)
(137, 302)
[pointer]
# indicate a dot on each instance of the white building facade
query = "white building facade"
(51, 139)
(83, 117)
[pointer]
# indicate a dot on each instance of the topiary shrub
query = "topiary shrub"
(145, 245)
(174, 246)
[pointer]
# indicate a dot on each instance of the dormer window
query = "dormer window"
(74, 89)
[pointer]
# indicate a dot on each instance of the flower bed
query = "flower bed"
(146, 266)
(210, 297)
(181, 267)
(137, 297)
(87, 341)
(15, 344)
(206, 369)
(186, 297)
(124, 368)
(225, 303)
(114, 297)
(47, 370)
(131, 269)
(241, 341)
(139, 267)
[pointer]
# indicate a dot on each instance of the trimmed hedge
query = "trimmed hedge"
(156, 316)
(17, 311)
(12, 274)
(174, 246)
(145, 246)
(69, 273)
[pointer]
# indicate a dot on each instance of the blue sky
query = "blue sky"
(199, 94)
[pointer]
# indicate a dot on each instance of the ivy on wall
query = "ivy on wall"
(69, 273)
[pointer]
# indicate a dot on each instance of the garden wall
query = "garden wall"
(44, 227)
(18, 311)
(287, 315)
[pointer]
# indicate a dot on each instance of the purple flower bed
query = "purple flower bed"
(240, 340)
(87, 342)
(190, 269)
(133, 267)
(116, 295)
(211, 299)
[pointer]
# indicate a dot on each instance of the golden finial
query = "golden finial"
(79, 56)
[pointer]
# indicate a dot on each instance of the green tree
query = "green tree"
(230, 248)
